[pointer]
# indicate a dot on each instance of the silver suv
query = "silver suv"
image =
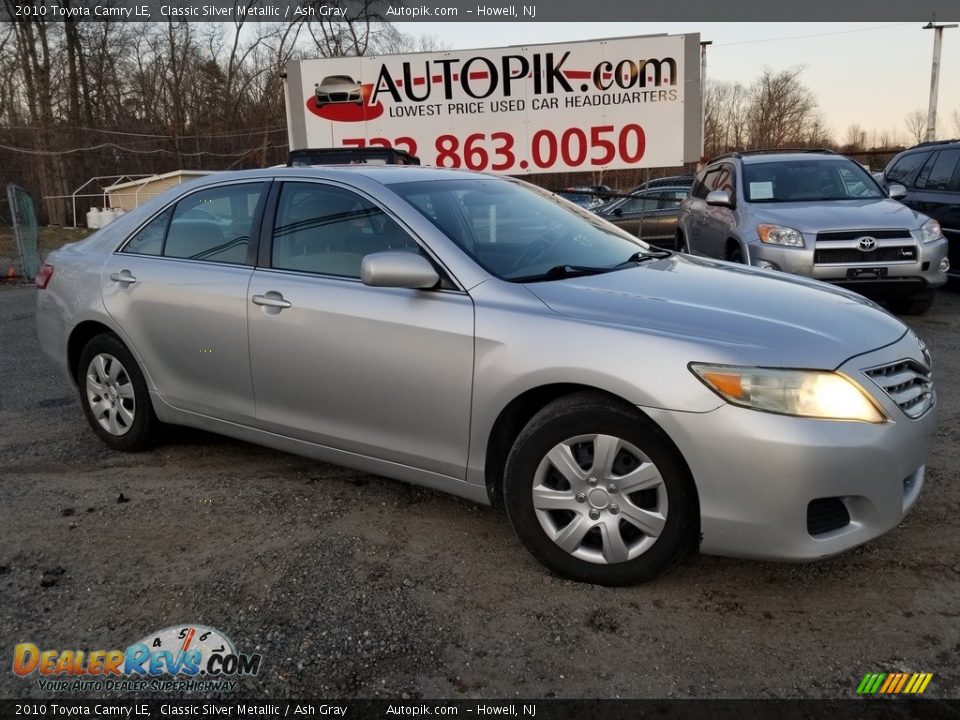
(818, 214)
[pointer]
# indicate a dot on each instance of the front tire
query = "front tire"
(114, 395)
(598, 493)
(682, 243)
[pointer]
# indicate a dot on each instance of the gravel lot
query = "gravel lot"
(351, 585)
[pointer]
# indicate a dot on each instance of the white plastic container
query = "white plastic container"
(107, 216)
(94, 218)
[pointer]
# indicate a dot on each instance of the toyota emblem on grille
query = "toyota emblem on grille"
(866, 244)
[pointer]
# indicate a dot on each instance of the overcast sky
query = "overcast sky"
(871, 74)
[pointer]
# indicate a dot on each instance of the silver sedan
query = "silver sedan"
(480, 336)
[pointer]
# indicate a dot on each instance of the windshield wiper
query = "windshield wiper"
(563, 271)
(644, 255)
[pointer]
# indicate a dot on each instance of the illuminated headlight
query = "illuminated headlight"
(931, 231)
(779, 235)
(804, 393)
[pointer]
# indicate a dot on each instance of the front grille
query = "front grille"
(857, 234)
(848, 256)
(825, 515)
(907, 383)
(338, 97)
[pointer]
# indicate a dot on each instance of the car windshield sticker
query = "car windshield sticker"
(761, 190)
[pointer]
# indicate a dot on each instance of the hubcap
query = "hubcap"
(572, 497)
(110, 394)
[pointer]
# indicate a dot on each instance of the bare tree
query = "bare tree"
(916, 123)
(855, 138)
(783, 111)
(726, 109)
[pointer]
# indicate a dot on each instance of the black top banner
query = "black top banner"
(510, 709)
(473, 11)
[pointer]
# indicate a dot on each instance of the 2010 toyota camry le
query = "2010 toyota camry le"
(481, 336)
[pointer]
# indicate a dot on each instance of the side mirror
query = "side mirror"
(719, 198)
(896, 191)
(398, 269)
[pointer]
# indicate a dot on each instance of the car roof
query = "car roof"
(382, 174)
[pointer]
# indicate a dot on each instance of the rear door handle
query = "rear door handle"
(271, 299)
(124, 277)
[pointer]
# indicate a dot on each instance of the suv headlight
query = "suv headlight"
(804, 393)
(779, 235)
(931, 231)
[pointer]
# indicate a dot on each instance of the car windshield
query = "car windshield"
(810, 179)
(521, 233)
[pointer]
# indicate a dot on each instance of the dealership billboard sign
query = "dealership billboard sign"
(582, 106)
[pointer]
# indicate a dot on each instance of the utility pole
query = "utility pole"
(703, 99)
(934, 76)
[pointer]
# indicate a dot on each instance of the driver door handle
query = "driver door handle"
(271, 299)
(124, 277)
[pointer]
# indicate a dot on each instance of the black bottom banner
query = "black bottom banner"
(927, 709)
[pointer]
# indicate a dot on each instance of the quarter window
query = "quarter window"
(328, 230)
(149, 241)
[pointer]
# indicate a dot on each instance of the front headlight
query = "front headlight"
(931, 231)
(805, 393)
(779, 235)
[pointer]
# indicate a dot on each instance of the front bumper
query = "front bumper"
(917, 274)
(756, 473)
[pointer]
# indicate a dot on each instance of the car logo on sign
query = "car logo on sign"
(866, 244)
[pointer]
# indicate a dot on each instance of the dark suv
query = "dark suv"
(931, 174)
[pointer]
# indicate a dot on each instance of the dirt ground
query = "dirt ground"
(351, 585)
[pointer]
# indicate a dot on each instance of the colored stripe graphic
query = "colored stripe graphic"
(894, 683)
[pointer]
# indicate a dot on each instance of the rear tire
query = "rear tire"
(114, 395)
(567, 492)
(915, 305)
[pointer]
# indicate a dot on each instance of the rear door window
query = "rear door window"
(904, 171)
(214, 224)
(942, 170)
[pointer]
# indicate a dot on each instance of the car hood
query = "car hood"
(773, 319)
(812, 217)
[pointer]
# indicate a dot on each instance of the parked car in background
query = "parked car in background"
(671, 181)
(819, 214)
(650, 214)
(588, 197)
(476, 335)
(931, 174)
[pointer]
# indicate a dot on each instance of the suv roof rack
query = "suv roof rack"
(936, 142)
(741, 153)
(350, 156)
